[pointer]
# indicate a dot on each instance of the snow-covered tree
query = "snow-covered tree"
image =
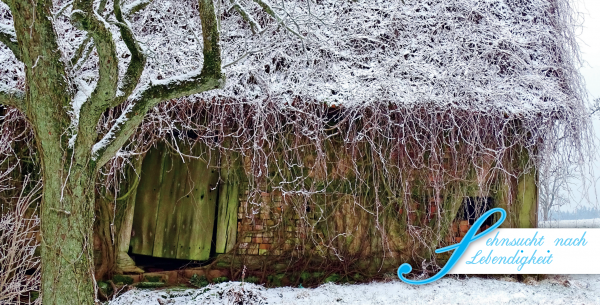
(555, 187)
(63, 100)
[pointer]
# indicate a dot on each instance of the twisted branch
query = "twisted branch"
(138, 59)
(210, 77)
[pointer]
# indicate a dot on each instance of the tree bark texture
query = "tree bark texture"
(67, 203)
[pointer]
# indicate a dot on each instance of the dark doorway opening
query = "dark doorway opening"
(473, 207)
(157, 264)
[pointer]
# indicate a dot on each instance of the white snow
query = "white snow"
(111, 133)
(576, 289)
(82, 95)
(579, 223)
(477, 55)
(554, 289)
(9, 30)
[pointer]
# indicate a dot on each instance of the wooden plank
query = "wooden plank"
(196, 214)
(124, 239)
(146, 203)
(227, 207)
(167, 228)
(185, 206)
(175, 206)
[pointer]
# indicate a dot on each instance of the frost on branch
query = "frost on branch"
(11, 69)
(18, 228)
(506, 56)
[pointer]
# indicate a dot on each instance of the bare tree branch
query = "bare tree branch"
(210, 77)
(79, 53)
(595, 108)
(101, 7)
(135, 7)
(132, 116)
(13, 98)
(254, 26)
(269, 10)
(85, 18)
(17, 248)
(137, 62)
(9, 38)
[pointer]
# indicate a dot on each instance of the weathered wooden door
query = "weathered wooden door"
(175, 206)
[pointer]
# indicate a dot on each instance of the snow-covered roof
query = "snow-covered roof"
(511, 56)
(508, 55)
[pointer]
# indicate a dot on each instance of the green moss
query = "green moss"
(153, 279)
(198, 281)
(332, 278)
(124, 279)
(105, 288)
(275, 280)
(251, 279)
(148, 285)
(223, 264)
(221, 279)
(304, 276)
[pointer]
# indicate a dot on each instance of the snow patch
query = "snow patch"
(578, 223)
(82, 95)
(109, 136)
(580, 289)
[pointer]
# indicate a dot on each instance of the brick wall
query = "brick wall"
(269, 228)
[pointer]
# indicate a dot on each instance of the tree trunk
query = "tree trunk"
(546, 211)
(67, 210)
(104, 222)
(67, 244)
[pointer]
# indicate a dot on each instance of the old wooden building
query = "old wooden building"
(370, 138)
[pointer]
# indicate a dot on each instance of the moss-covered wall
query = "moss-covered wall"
(190, 209)
(344, 222)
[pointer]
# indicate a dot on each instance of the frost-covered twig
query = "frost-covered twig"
(254, 26)
(595, 107)
(269, 10)
(208, 78)
(18, 228)
(82, 52)
(135, 7)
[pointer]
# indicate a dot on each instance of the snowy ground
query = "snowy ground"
(574, 289)
(555, 289)
(580, 223)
